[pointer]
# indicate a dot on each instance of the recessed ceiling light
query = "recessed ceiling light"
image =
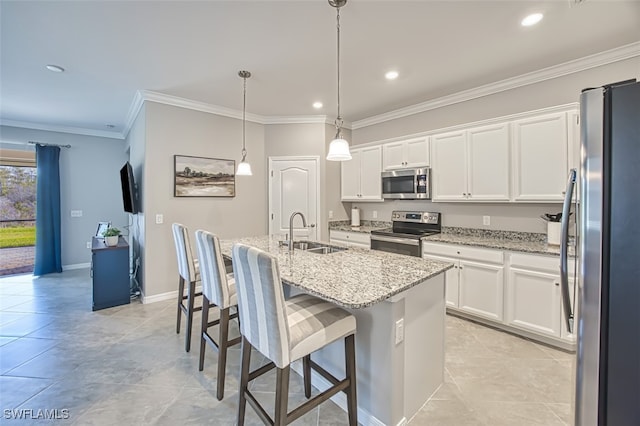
(55, 68)
(317, 105)
(532, 19)
(391, 75)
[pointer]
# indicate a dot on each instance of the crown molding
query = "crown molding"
(603, 58)
(62, 129)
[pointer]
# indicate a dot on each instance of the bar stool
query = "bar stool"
(218, 289)
(189, 271)
(284, 331)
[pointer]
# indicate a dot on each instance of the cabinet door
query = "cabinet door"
(417, 152)
(370, 169)
(481, 289)
(533, 301)
(449, 166)
(350, 177)
(393, 155)
(451, 280)
(489, 163)
(540, 157)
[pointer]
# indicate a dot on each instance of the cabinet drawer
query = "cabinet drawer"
(463, 252)
(351, 237)
(549, 264)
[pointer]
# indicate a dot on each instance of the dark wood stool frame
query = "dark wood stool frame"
(223, 340)
(188, 310)
(282, 417)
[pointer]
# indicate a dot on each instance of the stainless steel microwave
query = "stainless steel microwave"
(407, 184)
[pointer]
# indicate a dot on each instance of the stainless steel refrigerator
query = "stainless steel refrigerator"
(608, 247)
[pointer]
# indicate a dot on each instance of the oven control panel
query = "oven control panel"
(431, 218)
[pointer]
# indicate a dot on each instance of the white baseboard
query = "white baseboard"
(76, 266)
(170, 295)
(365, 418)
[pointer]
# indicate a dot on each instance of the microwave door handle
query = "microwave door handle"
(415, 184)
(564, 251)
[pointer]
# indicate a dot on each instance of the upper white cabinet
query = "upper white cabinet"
(406, 154)
(360, 179)
(472, 164)
(539, 162)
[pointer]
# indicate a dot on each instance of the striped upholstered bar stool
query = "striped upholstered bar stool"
(218, 289)
(189, 272)
(285, 331)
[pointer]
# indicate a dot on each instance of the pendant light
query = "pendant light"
(244, 168)
(339, 147)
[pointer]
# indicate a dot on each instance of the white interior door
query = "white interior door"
(293, 187)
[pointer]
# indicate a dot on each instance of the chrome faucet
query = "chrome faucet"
(304, 223)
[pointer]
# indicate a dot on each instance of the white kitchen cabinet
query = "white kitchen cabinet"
(406, 154)
(472, 164)
(355, 239)
(451, 279)
(480, 278)
(539, 162)
(360, 178)
(534, 295)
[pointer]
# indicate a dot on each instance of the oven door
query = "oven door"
(410, 184)
(408, 246)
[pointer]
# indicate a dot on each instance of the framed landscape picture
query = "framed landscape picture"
(203, 177)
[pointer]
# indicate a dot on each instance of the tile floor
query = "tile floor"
(126, 365)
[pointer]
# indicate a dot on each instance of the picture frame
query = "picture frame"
(203, 177)
(102, 226)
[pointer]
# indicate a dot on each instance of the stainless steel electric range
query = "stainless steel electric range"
(405, 235)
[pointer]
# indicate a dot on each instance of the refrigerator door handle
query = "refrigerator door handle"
(564, 251)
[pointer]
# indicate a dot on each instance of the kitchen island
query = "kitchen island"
(399, 305)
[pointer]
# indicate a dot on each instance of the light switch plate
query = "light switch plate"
(375, 214)
(399, 331)
(159, 219)
(330, 214)
(76, 213)
(486, 220)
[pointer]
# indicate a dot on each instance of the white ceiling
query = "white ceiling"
(194, 49)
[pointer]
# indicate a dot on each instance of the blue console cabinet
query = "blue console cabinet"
(110, 270)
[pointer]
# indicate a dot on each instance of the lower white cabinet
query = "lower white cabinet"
(355, 239)
(518, 292)
(475, 284)
(534, 295)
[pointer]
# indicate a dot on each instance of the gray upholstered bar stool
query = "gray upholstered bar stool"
(284, 331)
(218, 289)
(188, 272)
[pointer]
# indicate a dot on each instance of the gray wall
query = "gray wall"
(89, 181)
(169, 131)
(516, 217)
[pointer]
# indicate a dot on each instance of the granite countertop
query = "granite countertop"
(354, 278)
(527, 242)
(366, 226)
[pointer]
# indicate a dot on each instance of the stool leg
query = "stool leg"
(223, 343)
(205, 322)
(244, 379)
(350, 364)
(282, 395)
(190, 300)
(180, 294)
(306, 374)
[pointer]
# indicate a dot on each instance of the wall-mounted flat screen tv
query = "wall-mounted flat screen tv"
(128, 189)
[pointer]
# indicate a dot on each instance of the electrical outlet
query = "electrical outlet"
(375, 214)
(399, 331)
(330, 214)
(76, 213)
(486, 220)
(159, 219)
(88, 244)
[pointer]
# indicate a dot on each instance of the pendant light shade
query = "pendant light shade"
(339, 147)
(244, 168)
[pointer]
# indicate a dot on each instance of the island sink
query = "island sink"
(314, 247)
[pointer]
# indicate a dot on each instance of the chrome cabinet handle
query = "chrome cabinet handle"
(313, 225)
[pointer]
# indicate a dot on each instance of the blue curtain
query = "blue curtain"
(48, 240)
